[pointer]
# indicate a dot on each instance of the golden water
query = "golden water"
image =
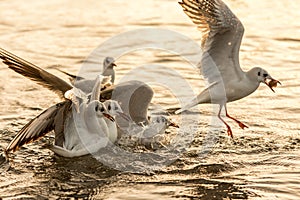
(261, 163)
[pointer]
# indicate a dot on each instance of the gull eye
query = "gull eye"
(109, 107)
(258, 73)
(96, 108)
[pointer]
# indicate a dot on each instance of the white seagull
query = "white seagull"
(108, 68)
(86, 85)
(221, 40)
(86, 131)
(157, 126)
(56, 117)
(160, 123)
(59, 118)
(87, 134)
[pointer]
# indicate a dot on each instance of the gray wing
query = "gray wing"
(96, 89)
(35, 73)
(51, 119)
(222, 36)
(134, 98)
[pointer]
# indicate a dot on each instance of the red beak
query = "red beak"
(108, 117)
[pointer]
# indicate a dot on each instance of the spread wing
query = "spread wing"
(134, 98)
(51, 119)
(221, 39)
(35, 73)
(72, 78)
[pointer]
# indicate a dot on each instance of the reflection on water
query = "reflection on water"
(261, 163)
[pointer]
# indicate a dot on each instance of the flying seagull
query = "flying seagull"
(221, 40)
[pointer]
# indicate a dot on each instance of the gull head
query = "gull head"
(109, 62)
(163, 120)
(114, 109)
(263, 76)
(101, 110)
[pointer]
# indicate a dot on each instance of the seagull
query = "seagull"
(160, 123)
(108, 68)
(56, 118)
(221, 40)
(86, 131)
(86, 85)
(129, 94)
(88, 135)
(157, 126)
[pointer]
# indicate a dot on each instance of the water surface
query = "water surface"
(261, 163)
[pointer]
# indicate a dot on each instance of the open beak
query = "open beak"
(271, 83)
(108, 117)
(174, 125)
(124, 116)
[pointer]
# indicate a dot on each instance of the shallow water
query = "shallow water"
(261, 162)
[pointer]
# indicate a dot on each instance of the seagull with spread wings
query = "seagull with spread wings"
(55, 117)
(221, 40)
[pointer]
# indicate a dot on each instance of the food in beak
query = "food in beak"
(272, 83)
(108, 117)
(174, 125)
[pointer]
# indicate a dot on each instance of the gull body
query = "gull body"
(87, 135)
(86, 85)
(86, 131)
(157, 126)
(219, 64)
(108, 68)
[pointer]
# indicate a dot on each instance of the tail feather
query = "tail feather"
(201, 98)
(193, 103)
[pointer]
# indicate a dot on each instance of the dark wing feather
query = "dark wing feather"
(51, 119)
(72, 77)
(59, 122)
(35, 73)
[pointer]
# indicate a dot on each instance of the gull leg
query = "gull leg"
(242, 125)
(229, 131)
